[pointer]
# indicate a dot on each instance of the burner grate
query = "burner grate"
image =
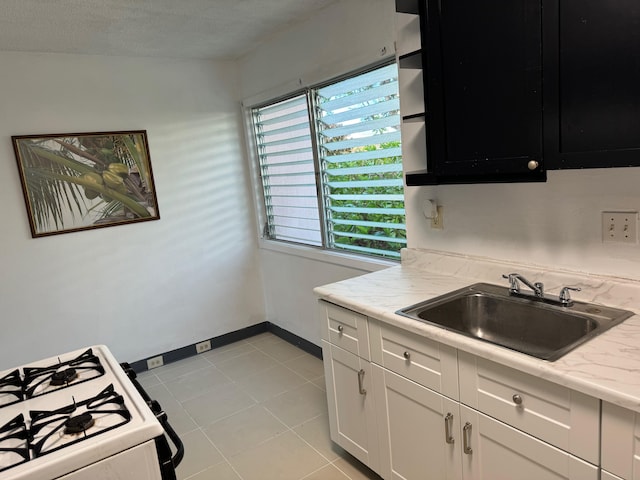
(56, 429)
(42, 380)
(11, 389)
(14, 443)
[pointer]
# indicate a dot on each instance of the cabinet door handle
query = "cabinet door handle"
(360, 382)
(448, 422)
(517, 399)
(340, 328)
(407, 355)
(466, 438)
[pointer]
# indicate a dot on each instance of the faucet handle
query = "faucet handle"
(565, 296)
(513, 282)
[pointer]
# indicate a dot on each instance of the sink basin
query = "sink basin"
(489, 313)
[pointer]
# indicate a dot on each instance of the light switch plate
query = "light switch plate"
(620, 227)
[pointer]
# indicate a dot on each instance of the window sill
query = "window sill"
(328, 256)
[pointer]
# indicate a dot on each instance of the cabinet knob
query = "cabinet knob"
(340, 328)
(517, 399)
(406, 355)
(533, 164)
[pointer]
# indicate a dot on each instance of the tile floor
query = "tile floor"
(252, 410)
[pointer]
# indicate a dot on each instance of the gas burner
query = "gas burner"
(11, 389)
(50, 378)
(14, 443)
(56, 429)
(79, 424)
(63, 377)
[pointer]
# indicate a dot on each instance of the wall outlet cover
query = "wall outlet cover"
(437, 222)
(155, 362)
(620, 227)
(203, 346)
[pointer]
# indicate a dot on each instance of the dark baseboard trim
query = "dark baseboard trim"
(216, 342)
(293, 339)
(231, 337)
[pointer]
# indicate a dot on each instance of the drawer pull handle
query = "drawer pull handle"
(517, 399)
(360, 382)
(406, 355)
(466, 439)
(340, 328)
(448, 422)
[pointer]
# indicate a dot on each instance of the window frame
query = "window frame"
(322, 252)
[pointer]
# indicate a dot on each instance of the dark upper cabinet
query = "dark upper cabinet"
(592, 70)
(513, 88)
(483, 91)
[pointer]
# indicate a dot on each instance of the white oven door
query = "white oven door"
(139, 462)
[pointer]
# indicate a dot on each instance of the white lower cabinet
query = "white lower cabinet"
(350, 394)
(425, 435)
(419, 410)
(620, 442)
(493, 450)
(418, 430)
(609, 476)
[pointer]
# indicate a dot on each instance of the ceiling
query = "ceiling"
(207, 29)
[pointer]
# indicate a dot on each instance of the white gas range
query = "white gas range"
(82, 416)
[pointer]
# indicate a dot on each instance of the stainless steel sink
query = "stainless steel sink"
(489, 313)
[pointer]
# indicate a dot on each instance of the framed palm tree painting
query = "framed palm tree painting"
(80, 181)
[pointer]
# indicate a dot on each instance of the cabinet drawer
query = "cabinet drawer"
(415, 357)
(565, 418)
(346, 329)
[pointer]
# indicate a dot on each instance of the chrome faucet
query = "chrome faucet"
(514, 285)
(565, 297)
(563, 300)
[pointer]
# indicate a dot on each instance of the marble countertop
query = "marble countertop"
(607, 366)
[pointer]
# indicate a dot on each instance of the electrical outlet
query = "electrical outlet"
(620, 227)
(155, 362)
(437, 222)
(203, 346)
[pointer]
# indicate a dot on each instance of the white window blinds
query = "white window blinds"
(332, 174)
(287, 169)
(359, 147)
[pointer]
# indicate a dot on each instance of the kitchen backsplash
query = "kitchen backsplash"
(602, 289)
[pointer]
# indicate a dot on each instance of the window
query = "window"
(331, 166)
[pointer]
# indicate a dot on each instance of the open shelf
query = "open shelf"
(408, 6)
(411, 60)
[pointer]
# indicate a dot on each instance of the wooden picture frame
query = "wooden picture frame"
(81, 181)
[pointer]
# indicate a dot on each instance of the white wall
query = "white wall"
(143, 288)
(345, 36)
(341, 38)
(555, 224)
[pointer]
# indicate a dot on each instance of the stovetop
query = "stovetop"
(46, 377)
(67, 412)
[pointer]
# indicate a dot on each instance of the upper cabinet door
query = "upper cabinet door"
(484, 89)
(592, 64)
